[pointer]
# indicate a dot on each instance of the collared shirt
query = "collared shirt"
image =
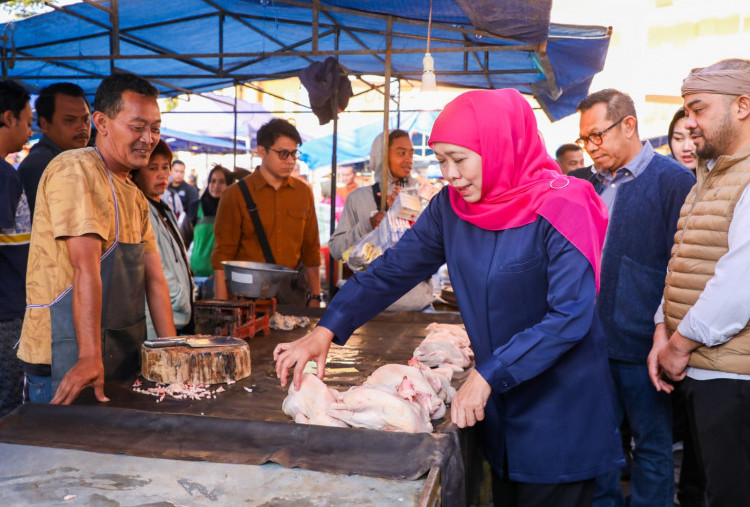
(626, 173)
(33, 166)
(288, 218)
(75, 198)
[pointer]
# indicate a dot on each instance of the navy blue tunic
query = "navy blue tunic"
(526, 296)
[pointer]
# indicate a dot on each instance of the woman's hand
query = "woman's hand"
(468, 405)
(296, 354)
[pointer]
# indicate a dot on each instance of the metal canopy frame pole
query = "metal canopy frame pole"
(234, 159)
(386, 115)
(334, 164)
(114, 33)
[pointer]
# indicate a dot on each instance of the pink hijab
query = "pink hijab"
(519, 178)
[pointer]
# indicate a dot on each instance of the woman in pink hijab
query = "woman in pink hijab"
(523, 245)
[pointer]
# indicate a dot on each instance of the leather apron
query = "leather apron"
(123, 326)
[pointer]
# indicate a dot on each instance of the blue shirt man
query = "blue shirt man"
(644, 192)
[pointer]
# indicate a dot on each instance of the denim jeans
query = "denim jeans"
(37, 389)
(649, 414)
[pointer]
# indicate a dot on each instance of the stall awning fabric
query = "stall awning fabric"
(189, 141)
(205, 45)
(353, 145)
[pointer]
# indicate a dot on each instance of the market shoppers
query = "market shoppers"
(187, 193)
(152, 180)
(362, 208)
(522, 243)
(347, 177)
(569, 157)
(203, 234)
(15, 229)
(705, 336)
(643, 192)
(269, 216)
(64, 116)
(681, 142)
(93, 255)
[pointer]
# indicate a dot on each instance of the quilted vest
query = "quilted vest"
(700, 241)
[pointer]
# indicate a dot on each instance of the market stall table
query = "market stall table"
(245, 424)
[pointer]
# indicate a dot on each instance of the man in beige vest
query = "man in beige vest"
(705, 336)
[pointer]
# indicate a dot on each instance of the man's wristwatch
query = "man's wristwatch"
(319, 297)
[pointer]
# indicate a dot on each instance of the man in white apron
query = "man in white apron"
(93, 255)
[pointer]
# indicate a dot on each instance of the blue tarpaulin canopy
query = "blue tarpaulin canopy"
(204, 45)
(354, 145)
(189, 141)
(212, 115)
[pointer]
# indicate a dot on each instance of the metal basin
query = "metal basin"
(255, 279)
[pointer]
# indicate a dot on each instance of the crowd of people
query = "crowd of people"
(604, 303)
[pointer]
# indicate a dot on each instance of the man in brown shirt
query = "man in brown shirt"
(287, 212)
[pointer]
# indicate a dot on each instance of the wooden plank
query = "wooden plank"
(430, 496)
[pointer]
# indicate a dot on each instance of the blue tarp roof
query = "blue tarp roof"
(189, 141)
(354, 145)
(204, 45)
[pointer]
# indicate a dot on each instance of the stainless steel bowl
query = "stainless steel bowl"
(255, 279)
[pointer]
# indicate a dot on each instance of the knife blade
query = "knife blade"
(197, 341)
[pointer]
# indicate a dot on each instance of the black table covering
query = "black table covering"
(245, 427)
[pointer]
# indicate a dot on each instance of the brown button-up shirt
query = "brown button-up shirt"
(288, 218)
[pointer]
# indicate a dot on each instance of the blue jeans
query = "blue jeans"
(37, 389)
(649, 414)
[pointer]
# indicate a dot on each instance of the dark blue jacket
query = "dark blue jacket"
(527, 300)
(33, 166)
(638, 247)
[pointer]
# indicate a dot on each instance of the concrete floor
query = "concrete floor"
(42, 476)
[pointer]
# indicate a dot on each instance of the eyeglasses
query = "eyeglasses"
(284, 154)
(596, 137)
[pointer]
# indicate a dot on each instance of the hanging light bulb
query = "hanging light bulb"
(429, 84)
(428, 74)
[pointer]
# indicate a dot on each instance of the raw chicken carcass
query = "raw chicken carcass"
(309, 405)
(390, 376)
(440, 376)
(444, 336)
(438, 352)
(377, 409)
(457, 331)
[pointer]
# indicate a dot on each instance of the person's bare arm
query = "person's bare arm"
(157, 295)
(220, 284)
(312, 274)
(227, 236)
(84, 252)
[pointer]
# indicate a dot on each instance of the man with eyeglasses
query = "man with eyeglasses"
(286, 214)
(93, 259)
(644, 192)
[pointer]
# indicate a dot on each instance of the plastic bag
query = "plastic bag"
(391, 228)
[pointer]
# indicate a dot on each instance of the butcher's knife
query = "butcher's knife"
(196, 342)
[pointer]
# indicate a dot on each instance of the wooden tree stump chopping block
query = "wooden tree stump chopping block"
(206, 365)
